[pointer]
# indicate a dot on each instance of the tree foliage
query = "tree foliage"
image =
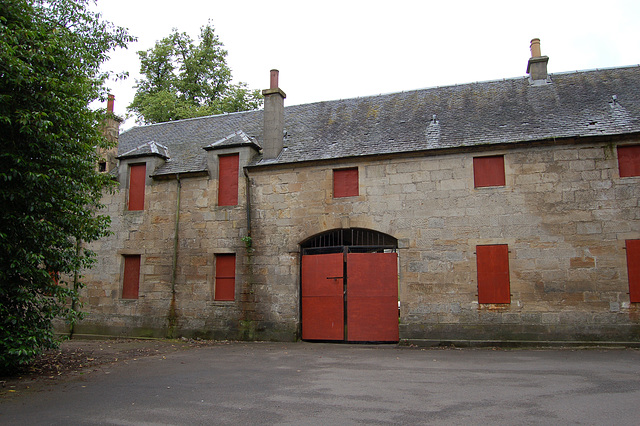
(186, 80)
(50, 57)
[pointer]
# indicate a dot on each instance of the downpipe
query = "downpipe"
(173, 317)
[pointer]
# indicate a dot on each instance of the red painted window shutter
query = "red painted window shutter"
(225, 285)
(228, 179)
(633, 267)
(131, 278)
(55, 277)
(629, 160)
(137, 174)
(488, 171)
(345, 182)
(493, 273)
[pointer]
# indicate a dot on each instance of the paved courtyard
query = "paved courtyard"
(333, 384)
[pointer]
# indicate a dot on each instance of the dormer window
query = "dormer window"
(137, 175)
(228, 166)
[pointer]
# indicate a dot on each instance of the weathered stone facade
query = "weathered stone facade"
(564, 212)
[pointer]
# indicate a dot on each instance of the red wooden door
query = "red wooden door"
(323, 297)
(372, 297)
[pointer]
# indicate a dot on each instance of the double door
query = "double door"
(350, 297)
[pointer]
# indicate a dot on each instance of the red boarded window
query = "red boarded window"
(131, 277)
(228, 166)
(225, 285)
(137, 174)
(488, 171)
(345, 182)
(629, 160)
(493, 273)
(633, 267)
(55, 277)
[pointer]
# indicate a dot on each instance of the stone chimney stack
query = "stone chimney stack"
(110, 130)
(537, 65)
(273, 130)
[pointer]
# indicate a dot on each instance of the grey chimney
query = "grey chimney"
(537, 65)
(273, 129)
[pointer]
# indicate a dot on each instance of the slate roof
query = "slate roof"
(577, 104)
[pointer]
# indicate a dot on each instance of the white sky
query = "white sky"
(330, 49)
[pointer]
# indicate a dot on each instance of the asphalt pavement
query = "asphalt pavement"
(343, 384)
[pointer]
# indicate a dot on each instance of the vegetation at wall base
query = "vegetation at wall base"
(50, 190)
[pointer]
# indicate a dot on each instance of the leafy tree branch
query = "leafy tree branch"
(183, 79)
(50, 191)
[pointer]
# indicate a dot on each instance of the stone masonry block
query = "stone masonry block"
(452, 184)
(581, 165)
(589, 228)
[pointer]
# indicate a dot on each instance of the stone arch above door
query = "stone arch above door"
(357, 240)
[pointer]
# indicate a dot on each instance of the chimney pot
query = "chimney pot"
(110, 101)
(535, 48)
(537, 64)
(274, 79)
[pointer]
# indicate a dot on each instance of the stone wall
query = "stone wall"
(564, 213)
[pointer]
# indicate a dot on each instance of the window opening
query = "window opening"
(345, 182)
(633, 268)
(137, 177)
(488, 171)
(629, 160)
(493, 273)
(131, 277)
(225, 280)
(228, 166)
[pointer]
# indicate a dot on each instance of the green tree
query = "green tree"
(50, 57)
(182, 79)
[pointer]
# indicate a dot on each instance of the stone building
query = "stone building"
(502, 211)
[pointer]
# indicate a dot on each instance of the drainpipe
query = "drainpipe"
(173, 318)
(248, 302)
(248, 204)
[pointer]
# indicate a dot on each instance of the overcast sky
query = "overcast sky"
(329, 49)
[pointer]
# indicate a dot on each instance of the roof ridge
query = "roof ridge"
(182, 120)
(497, 80)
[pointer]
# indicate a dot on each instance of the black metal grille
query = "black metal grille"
(357, 240)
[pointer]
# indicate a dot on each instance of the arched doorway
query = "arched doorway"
(349, 286)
